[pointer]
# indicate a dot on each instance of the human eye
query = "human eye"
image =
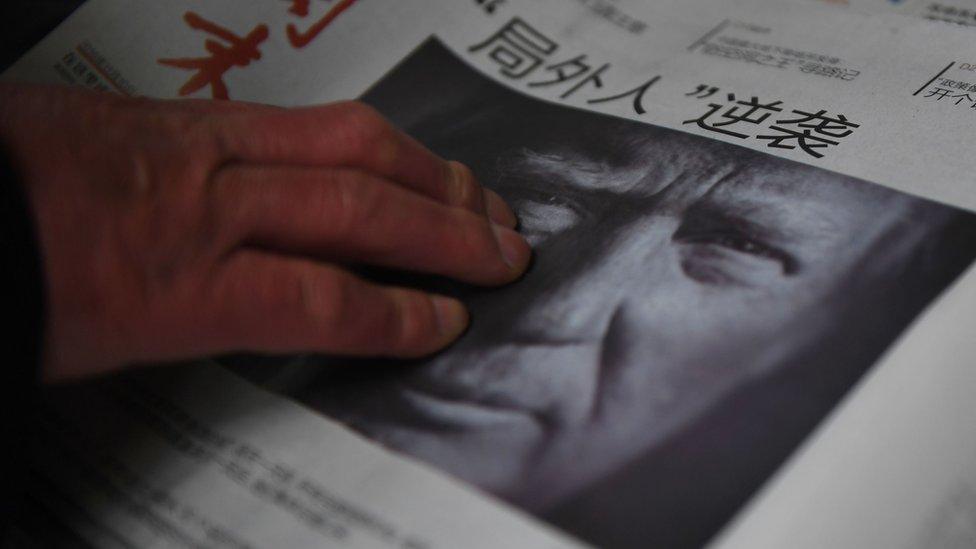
(717, 248)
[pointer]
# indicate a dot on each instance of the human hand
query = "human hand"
(177, 229)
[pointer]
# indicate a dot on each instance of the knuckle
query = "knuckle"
(207, 138)
(367, 134)
(185, 128)
(360, 111)
(412, 323)
(352, 205)
(170, 231)
(476, 237)
(228, 214)
(463, 188)
(320, 301)
(478, 249)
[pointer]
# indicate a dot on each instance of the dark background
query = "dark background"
(23, 23)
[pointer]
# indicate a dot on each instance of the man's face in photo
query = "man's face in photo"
(668, 270)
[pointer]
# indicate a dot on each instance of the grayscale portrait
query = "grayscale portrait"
(694, 309)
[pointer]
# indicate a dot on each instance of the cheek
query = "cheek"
(671, 354)
(709, 330)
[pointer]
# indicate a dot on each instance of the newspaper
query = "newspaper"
(748, 322)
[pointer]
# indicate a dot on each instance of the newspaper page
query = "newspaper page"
(738, 209)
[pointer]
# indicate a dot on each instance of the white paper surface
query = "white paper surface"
(194, 456)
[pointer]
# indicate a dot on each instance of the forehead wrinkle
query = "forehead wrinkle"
(797, 220)
(800, 203)
(574, 170)
(690, 185)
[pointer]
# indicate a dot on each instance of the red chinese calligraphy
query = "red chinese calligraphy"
(300, 39)
(300, 7)
(237, 52)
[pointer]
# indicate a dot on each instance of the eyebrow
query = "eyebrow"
(793, 213)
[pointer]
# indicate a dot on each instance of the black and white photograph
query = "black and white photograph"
(693, 311)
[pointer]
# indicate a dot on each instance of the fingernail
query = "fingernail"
(452, 317)
(515, 250)
(498, 211)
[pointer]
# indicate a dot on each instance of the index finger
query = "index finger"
(353, 135)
